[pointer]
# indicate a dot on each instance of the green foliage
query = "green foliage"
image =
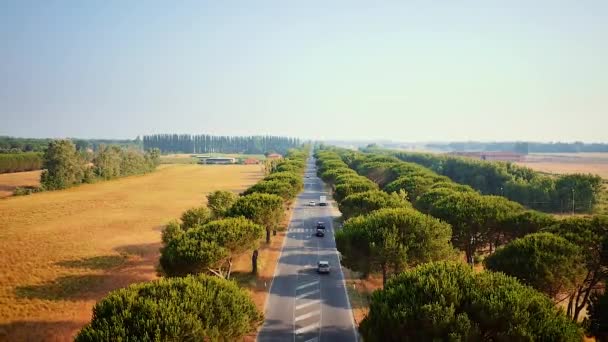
(64, 167)
(353, 186)
(171, 231)
(263, 209)
(195, 308)
(546, 262)
(204, 143)
(365, 202)
(389, 239)
(591, 235)
(276, 187)
(112, 162)
(195, 216)
(209, 247)
(584, 190)
(597, 310)
(449, 302)
(219, 202)
(18, 162)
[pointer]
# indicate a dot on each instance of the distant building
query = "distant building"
(251, 161)
(218, 160)
(491, 156)
(274, 156)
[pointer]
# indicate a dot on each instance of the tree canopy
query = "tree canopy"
(546, 262)
(445, 301)
(263, 209)
(220, 201)
(194, 308)
(387, 240)
(365, 202)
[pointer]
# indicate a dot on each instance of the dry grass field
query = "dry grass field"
(10, 181)
(562, 163)
(64, 250)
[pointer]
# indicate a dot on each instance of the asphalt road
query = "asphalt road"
(304, 305)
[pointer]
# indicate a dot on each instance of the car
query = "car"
(307, 176)
(312, 203)
(323, 267)
(320, 233)
(320, 225)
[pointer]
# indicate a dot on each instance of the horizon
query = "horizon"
(419, 72)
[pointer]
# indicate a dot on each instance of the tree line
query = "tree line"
(18, 145)
(565, 193)
(204, 143)
(564, 260)
(18, 162)
(521, 147)
(195, 300)
(65, 166)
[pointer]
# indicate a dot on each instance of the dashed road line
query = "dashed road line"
(307, 328)
(307, 315)
(307, 304)
(307, 285)
(306, 294)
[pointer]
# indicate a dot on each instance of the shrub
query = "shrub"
(446, 301)
(195, 308)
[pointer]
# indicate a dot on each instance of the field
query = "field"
(562, 163)
(64, 250)
(10, 181)
(188, 159)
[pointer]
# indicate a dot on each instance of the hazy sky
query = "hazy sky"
(403, 70)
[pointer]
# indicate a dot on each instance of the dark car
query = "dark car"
(320, 232)
(320, 225)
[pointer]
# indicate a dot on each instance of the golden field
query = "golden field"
(10, 181)
(64, 250)
(563, 163)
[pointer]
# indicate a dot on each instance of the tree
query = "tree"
(597, 323)
(591, 235)
(263, 209)
(194, 308)
(445, 301)
(365, 202)
(351, 187)
(578, 192)
(276, 187)
(386, 240)
(63, 166)
(546, 262)
(219, 202)
(210, 247)
(195, 217)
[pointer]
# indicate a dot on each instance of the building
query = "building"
(218, 160)
(491, 156)
(274, 156)
(251, 161)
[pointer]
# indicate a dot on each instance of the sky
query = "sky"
(428, 70)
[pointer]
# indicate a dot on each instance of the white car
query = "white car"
(312, 203)
(323, 267)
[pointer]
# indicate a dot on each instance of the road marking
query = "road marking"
(305, 316)
(307, 304)
(306, 294)
(307, 285)
(314, 339)
(307, 328)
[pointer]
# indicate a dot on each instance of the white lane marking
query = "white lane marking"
(307, 328)
(305, 316)
(314, 339)
(306, 294)
(307, 285)
(307, 304)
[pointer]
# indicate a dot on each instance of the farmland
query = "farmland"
(563, 163)
(10, 181)
(64, 250)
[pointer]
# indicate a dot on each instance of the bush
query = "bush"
(26, 190)
(446, 301)
(64, 167)
(544, 261)
(200, 308)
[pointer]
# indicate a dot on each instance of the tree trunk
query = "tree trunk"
(254, 262)
(267, 235)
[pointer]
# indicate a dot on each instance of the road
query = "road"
(303, 305)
